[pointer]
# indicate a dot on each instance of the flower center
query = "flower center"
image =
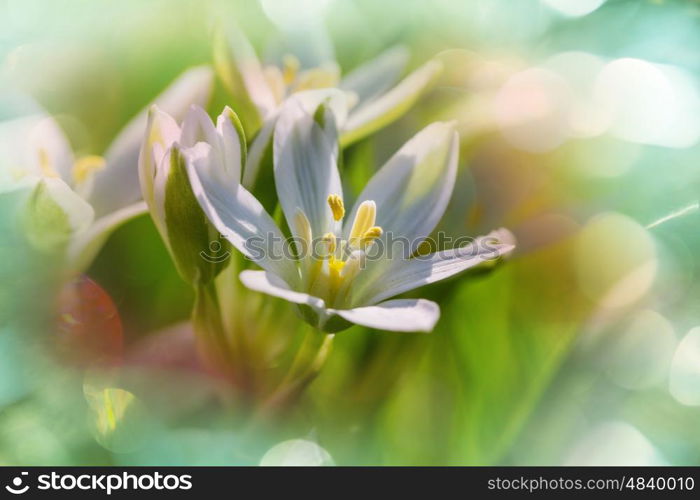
(329, 269)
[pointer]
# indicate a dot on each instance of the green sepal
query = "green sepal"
(195, 245)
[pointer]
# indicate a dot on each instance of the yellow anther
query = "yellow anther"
(86, 166)
(290, 68)
(329, 241)
(317, 78)
(371, 234)
(45, 165)
(364, 220)
(337, 207)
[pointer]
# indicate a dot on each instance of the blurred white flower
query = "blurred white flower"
(92, 195)
(373, 97)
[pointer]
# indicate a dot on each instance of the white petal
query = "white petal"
(376, 76)
(226, 143)
(335, 100)
(233, 144)
(271, 284)
(414, 187)
(307, 102)
(390, 106)
(34, 145)
(381, 282)
(239, 217)
(161, 133)
(198, 127)
(262, 142)
(48, 137)
(402, 315)
(85, 246)
(162, 173)
(118, 184)
(305, 167)
(300, 103)
(238, 67)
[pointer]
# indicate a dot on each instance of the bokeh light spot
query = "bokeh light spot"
(616, 260)
(641, 354)
(574, 8)
(531, 110)
(684, 381)
(296, 452)
(614, 444)
(650, 103)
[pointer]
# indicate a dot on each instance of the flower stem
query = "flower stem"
(307, 364)
(208, 324)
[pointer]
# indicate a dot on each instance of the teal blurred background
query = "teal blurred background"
(580, 128)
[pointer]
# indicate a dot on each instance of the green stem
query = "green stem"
(307, 364)
(208, 324)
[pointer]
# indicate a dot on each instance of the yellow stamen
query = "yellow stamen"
(290, 68)
(329, 241)
(47, 169)
(86, 166)
(364, 221)
(337, 207)
(317, 78)
(371, 234)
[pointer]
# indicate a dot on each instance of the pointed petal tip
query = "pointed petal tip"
(504, 236)
(399, 315)
(446, 127)
(203, 71)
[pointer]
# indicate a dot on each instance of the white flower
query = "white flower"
(92, 195)
(373, 97)
(166, 188)
(344, 282)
